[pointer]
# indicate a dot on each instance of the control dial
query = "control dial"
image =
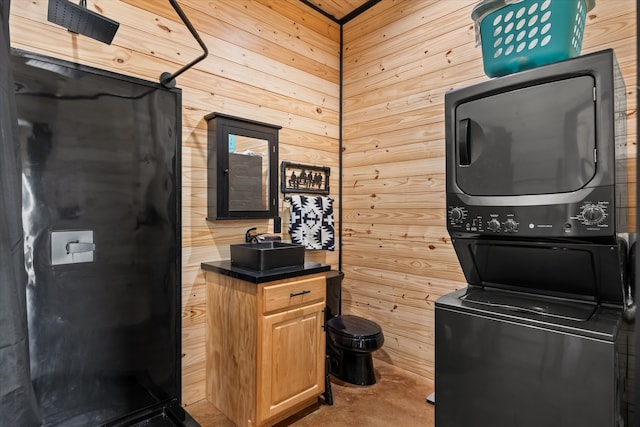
(510, 225)
(457, 215)
(593, 214)
(493, 224)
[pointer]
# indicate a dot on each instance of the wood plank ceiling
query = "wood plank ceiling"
(340, 11)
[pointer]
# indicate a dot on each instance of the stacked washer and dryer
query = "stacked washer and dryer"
(537, 214)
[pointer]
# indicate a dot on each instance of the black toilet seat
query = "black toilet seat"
(356, 333)
(354, 326)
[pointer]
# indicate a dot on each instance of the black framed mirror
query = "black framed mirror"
(242, 168)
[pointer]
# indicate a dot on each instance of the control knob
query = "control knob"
(456, 215)
(593, 214)
(510, 225)
(493, 224)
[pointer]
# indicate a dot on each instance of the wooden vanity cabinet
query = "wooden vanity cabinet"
(265, 346)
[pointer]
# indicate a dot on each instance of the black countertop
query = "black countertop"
(255, 276)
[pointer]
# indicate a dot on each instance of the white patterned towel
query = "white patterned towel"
(311, 222)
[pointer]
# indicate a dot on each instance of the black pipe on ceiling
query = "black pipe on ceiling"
(167, 79)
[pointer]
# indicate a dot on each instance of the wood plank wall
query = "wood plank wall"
(399, 60)
(275, 61)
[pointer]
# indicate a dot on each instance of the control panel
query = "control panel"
(459, 217)
(587, 218)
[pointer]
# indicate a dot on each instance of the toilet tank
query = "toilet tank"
(334, 293)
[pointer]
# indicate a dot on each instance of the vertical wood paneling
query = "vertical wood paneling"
(266, 62)
(399, 60)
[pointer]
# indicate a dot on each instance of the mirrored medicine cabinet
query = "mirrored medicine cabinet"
(242, 168)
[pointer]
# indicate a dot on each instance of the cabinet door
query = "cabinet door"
(291, 366)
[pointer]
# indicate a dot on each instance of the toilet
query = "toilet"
(350, 339)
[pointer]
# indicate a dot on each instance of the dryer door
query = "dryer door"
(534, 140)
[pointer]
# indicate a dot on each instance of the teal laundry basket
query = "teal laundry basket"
(517, 35)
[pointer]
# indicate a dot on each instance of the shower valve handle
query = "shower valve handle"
(76, 247)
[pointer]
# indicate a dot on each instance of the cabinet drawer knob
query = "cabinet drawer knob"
(299, 293)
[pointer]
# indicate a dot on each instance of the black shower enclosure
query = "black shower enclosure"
(101, 220)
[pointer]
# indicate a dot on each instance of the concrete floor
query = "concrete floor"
(397, 399)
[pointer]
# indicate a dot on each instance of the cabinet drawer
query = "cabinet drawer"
(292, 294)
